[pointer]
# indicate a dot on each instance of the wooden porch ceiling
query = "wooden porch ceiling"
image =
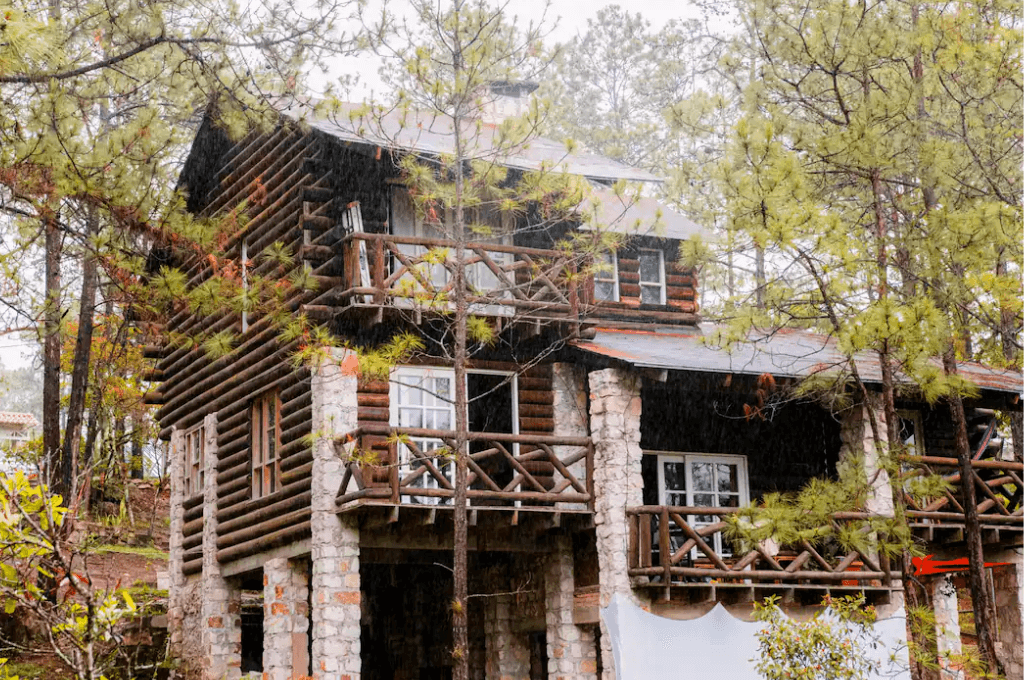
(740, 593)
(484, 520)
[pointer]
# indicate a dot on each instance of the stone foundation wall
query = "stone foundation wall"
(285, 619)
(188, 630)
(615, 407)
(335, 538)
(508, 650)
(572, 654)
(947, 627)
(1008, 583)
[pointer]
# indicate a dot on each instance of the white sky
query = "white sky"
(568, 18)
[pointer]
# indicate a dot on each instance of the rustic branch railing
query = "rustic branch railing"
(667, 542)
(998, 487)
(504, 469)
(378, 271)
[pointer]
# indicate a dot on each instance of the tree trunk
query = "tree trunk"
(984, 612)
(460, 569)
(80, 366)
(59, 466)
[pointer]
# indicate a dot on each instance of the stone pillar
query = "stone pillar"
(285, 620)
(175, 606)
(571, 651)
(508, 652)
(334, 544)
(618, 484)
(858, 439)
(1008, 583)
(221, 623)
(947, 627)
(570, 414)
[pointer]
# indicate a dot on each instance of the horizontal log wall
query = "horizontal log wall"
(290, 182)
(680, 283)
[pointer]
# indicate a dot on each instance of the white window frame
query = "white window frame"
(266, 463)
(688, 459)
(651, 284)
(406, 376)
(195, 461)
(607, 277)
(919, 440)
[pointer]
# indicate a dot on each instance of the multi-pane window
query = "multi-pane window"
(265, 438)
(652, 277)
(606, 277)
(195, 476)
(423, 398)
(705, 481)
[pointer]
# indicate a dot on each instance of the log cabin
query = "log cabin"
(609, 441)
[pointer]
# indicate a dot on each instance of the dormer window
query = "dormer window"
(606, 277)
(652, 277)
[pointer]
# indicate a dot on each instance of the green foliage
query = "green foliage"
(822, 648)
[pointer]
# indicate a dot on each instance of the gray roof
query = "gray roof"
(784, 353)
(433, 134)
(642, 216)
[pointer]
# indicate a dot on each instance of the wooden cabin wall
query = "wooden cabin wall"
(793, 443)
(291, 181)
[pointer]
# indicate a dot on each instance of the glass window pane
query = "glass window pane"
(443, 420)
(675, 476)
(650, 266)
(728, 478)
(675, 498)
(650, 295)
(410, 417)
(705, 500)
(412, 395)
(703, 477)
(604, 290)
(731, 501)
(442, 388)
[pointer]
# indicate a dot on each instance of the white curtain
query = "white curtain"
(716, 646)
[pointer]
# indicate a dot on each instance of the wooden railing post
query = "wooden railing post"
(633, 556)
(378, 271)
(395, 476)
(665, 546)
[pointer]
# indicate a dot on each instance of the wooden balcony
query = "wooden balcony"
(998, 487)
(682, 552)
(384, 274)
(413, 467)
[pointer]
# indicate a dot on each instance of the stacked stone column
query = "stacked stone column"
(221, 625)
(615, 428)
(572, 654)
(1008, 583)
(858, 439)
(335, 539)
(175, 607)
(508, 652)
(947, 627)
(285, 620)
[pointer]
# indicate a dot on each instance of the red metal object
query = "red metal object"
(929, 566)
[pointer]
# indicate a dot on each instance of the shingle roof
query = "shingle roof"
(434, 134)
(785, 353)
(18, 419)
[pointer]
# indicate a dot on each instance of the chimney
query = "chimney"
(506, 99)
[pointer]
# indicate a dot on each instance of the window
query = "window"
(910, 432)
(493, 227)
(265, 438)
(702, 480)
(195, 453)
(423, 398)
(606, 277)
(652, 277)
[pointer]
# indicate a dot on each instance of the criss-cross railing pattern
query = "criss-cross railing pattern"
(382, 268)
(414, 465)
(686, 546)
(998, 486)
